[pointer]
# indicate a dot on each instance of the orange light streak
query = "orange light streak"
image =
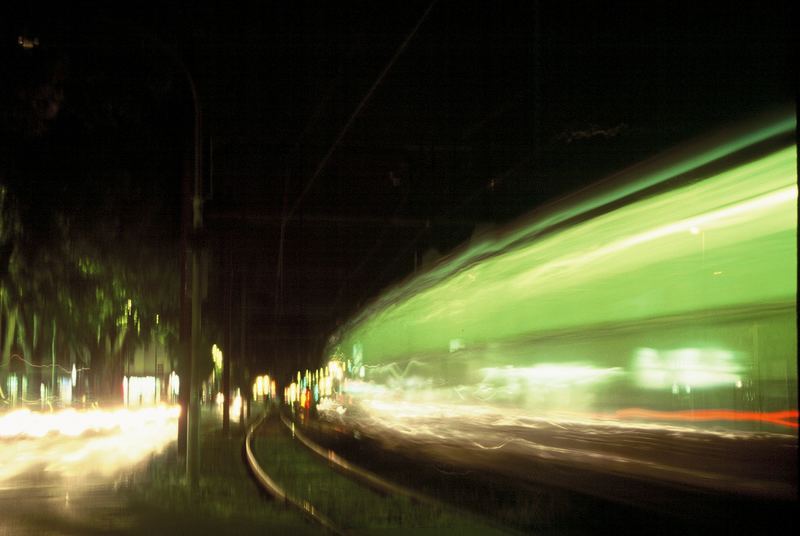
(781, 418)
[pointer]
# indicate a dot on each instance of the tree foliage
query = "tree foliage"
(89, 196)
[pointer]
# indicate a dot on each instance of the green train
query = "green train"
(644, 326)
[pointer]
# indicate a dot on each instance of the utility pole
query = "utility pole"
(155, 367)
(242, 350)
(191, 200)
(192, 425)
(228, 347)
(53, 364)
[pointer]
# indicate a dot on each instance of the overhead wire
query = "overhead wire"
(467, 200)
(324, 161)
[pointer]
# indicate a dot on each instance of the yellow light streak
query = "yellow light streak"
(79, 443)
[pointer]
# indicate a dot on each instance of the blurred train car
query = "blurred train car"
(642, 330)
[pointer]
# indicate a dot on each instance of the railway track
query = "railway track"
(340, 496)
(353, 484)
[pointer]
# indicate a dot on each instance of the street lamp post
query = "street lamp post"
(193, 413)
(192, 424)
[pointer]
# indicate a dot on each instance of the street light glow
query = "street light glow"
(79, 443)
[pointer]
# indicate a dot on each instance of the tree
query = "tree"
(89, 185)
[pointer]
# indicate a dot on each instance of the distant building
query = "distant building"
(149, 376)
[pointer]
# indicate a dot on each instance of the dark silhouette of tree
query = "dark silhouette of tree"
(91, 148)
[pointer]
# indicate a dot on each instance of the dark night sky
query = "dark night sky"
(492, 109)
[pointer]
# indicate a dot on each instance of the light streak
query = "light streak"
(234, 407)
(553, 374)
(631, 324)
(79, 443)
(405, 413)
(605, 269)
(632, 441)
(690, 367)
(46, 365)
(782, 418)
(773, 199)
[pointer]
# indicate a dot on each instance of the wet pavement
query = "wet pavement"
(43, 504)
(145, 495)
(104, 507)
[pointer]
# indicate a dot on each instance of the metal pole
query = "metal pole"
(155, 371)
(193, 439)
(228, 349)
(53, 364)
(242, 348)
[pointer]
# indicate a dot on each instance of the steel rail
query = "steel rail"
(366, 476)
(379, 483)
(269, 485)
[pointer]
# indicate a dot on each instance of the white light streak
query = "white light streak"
(79, 443)
(708, 220)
